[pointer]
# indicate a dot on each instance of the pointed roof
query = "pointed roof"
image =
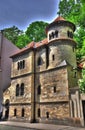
(59, 19)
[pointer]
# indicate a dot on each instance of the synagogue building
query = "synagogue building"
(44, 80)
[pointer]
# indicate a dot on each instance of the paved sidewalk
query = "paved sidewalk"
(40, 126)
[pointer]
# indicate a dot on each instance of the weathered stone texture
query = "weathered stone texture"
(27, 112)
(56, 111)
(49, 80)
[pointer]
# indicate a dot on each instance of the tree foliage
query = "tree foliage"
(12, 33)
(74, 11)
(82, 82)
(36, 31)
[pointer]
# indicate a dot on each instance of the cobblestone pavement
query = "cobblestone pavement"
(8, 125)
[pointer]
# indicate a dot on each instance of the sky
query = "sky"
(22, 13)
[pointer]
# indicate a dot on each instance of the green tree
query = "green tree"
(12, 33)
(22, 41)
(36, 31)
(70, 10)
(82, 82)
(73, 10)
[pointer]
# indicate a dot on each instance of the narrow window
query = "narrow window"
(52, 34)
(70, 34)
(56, 33)
(75, 74)
(39, 90)
(22, 89)
(53, 57)
(39, 112)
(39, 61)
(47, 114)
(23, 112)
(23, 64)
(17, 90)
(15, 112)
(49, 36)
(54, 89)
(73, 108)
(18, 66)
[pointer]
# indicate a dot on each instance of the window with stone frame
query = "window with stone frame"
(23, 112)
(39, 90)
(22, 89)
(38, 112)
(17, 90)
(15, 112)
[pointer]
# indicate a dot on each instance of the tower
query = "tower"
(62, 46)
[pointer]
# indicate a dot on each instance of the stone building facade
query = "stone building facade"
(44, 79)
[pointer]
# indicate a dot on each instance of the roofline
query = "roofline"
(57, 23)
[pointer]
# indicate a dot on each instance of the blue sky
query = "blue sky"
(23, 12)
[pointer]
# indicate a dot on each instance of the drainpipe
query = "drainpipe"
(1, 91)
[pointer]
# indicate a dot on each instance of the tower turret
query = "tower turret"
(60, 38)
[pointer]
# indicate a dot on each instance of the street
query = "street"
(3, 127)
(8, 125)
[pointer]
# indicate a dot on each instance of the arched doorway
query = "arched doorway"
(7, 109)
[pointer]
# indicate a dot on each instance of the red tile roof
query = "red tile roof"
(30, 46)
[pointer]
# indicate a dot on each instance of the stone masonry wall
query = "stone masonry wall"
(50, 79)
(55, 103)
(27, 112)
(28, 58)
(26, 98)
